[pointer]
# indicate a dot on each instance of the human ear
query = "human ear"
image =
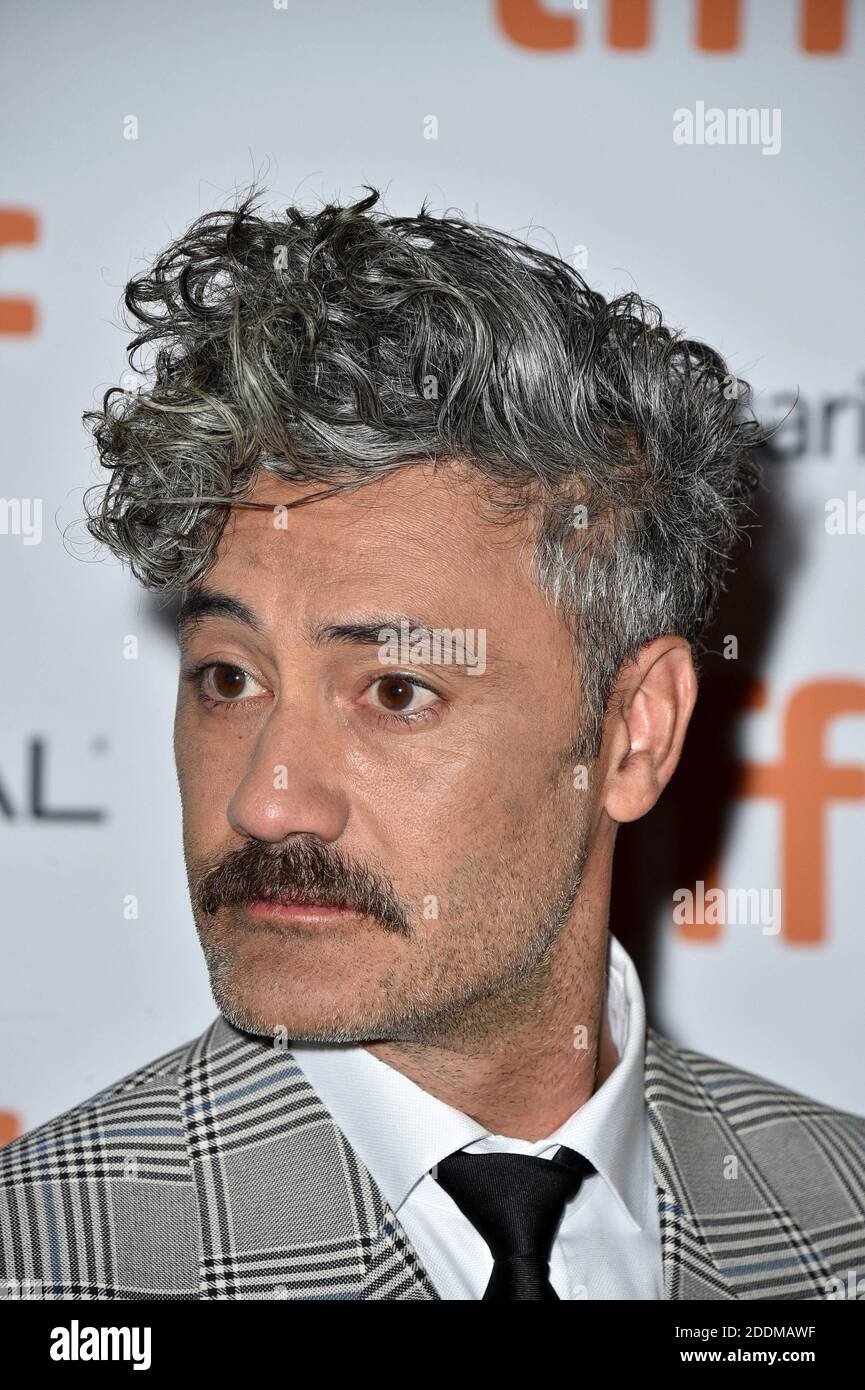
(648, 720)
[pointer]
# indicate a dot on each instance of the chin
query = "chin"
(257, 1008)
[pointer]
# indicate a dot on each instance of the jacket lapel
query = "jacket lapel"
(690, 1270)
(286, 1208)
(725, 1232)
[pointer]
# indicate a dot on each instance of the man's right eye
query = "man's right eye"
(222, 683)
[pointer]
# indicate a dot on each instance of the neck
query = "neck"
(526, 1060)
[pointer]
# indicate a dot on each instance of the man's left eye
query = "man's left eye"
(399, 695)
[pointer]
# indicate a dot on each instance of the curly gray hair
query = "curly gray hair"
(336, 346)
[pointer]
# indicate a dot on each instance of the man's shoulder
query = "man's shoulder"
(784, 1126)
(143, 1101)
(100, 1201)
(764, 1185)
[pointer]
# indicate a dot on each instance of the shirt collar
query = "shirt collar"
(400, 1131)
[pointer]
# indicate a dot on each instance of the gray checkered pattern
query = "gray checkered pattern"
(216, 1173)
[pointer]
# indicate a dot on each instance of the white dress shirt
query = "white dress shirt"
(608, 1244)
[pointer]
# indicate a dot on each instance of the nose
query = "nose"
(292, 784)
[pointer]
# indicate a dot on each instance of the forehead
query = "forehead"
(420, 538)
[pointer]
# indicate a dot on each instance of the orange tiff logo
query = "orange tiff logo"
(9, 1126)
(17, 228)
(802, 783)
(717, 25)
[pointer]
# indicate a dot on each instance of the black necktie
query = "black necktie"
(515, 1201)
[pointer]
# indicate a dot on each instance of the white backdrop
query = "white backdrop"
(572, 146)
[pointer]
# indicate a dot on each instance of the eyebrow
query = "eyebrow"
(200, 604)
(369, 633)
(208, 603)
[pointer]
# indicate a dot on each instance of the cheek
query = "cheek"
(188, 758)
(207, 773)
(473, 805)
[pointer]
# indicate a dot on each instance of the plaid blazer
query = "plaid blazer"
(216, 1173)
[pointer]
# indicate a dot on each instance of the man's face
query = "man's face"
(418, 820)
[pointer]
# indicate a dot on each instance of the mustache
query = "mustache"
(303, 870)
